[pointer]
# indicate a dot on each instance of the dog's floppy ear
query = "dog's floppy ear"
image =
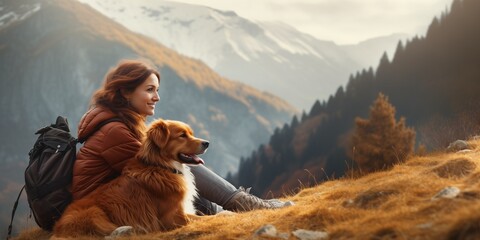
(159, 133)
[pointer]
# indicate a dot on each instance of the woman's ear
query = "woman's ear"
(126, 94)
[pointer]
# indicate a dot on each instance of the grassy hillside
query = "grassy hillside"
(395, 204)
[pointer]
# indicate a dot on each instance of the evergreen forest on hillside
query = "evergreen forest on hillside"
(432, 81)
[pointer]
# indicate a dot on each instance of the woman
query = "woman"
(129, 93)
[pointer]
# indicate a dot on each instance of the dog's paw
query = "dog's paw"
(120, 232)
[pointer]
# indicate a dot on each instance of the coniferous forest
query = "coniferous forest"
(432, 81)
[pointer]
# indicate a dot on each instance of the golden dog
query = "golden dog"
(154, 193)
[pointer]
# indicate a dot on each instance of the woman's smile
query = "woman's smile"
(145, 96)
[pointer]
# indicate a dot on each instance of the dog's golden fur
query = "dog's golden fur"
(149, 195)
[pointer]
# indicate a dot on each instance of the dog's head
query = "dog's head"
(175, 140)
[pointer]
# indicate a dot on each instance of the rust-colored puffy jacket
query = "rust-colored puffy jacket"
(104, 154)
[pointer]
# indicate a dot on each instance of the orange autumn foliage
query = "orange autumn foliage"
(380, 141)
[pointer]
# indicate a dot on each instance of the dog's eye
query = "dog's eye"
(184, 135)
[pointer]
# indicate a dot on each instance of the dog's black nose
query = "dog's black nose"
(205, 144)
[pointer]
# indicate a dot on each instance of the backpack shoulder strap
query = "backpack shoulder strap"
(13, 213)
(100, 125)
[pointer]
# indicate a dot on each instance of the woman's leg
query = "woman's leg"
(206, 207)
(215, 189)
(211, 186)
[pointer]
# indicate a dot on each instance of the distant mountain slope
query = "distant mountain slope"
(53, 59)
(271, 56)
(430, 197)
(431, 81)
(368, 52)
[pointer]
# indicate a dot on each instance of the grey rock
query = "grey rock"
(120, 232)
(448, 192)
(425, 225)
(465, 151)
(266, 231)
(458, 145)
(348, 203)
(303, 234)
(269, 231)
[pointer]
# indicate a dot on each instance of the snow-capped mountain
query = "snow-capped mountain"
(16, 11)
(270, 56)
(56, 57)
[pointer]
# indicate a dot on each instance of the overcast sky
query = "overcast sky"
(342, 21)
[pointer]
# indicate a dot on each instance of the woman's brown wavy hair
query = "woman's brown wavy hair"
(125, 77)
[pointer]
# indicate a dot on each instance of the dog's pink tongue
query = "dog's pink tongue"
(198, 159)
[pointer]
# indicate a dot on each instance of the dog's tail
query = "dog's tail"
(91, 221)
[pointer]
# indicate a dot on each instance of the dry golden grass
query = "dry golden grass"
(394, 204)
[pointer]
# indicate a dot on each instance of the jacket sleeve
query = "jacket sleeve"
(121, 146)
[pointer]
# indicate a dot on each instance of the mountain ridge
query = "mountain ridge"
(189, 71)
(271, 56)
(208, 78)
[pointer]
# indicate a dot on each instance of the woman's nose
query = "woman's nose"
(156, 97)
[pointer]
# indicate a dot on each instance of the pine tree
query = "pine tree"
(380, 141)
(316, 108)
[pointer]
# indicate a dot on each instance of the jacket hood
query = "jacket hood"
(92, 118)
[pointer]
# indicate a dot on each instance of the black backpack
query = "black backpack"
(49, 172)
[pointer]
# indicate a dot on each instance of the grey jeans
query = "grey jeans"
(214, 191)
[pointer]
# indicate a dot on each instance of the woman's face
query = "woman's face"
(144, 97)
